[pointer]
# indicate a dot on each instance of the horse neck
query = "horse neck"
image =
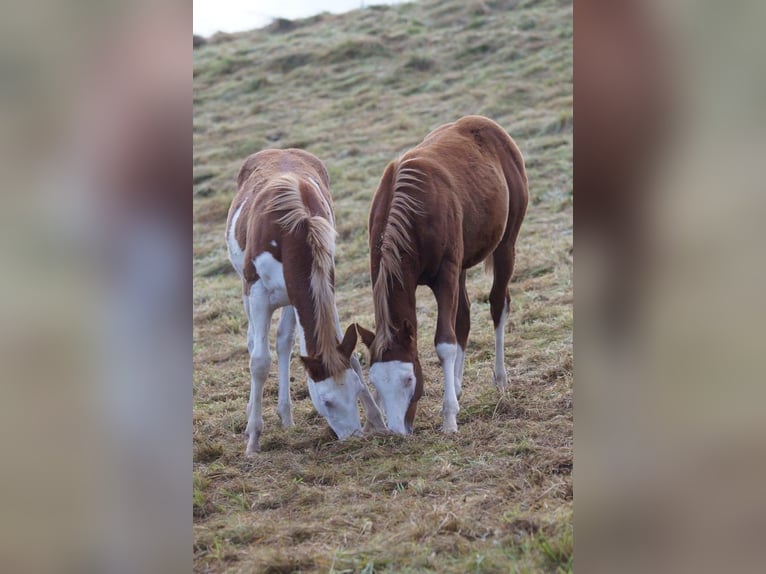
(319, 342)
(307, 316)
(401, 303)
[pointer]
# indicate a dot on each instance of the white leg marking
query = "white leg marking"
(285, 341)
(246, 302)
(260, 360)
(501, 377)
(459, 365)
(236, 254)
(448, 355)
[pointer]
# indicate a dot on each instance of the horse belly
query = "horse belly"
(483, 228)
(272, 276)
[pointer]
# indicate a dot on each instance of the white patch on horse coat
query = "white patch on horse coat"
(448, 355)
(395, 383)
(301, 334)
(272, 277)
(236, 253)
(273, 243)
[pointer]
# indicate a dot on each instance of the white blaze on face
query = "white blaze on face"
(395, 383)
(336, 402)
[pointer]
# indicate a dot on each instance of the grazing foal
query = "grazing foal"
(281, 240)
(455, 200)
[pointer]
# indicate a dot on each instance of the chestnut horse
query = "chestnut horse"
(453, 201)
(280, 235)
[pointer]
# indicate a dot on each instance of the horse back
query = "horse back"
(475, 187)
(256, 231)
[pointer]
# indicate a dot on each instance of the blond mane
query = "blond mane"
(396, 242)
(286, 202)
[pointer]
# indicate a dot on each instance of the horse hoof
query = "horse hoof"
(449, 426)
(287, 422)
(501, 381)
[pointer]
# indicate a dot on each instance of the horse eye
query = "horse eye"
(328, 404)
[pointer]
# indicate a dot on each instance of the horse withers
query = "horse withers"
(453, 201)
(280, 235)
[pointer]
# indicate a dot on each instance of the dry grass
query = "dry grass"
(356, 90)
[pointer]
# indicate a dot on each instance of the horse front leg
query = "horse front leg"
(260, 360)
(499, 301)
(445, 340)
(373, 416)
(285, 342)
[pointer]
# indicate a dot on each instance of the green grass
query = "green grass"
(357, 90)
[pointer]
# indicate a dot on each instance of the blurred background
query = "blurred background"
(95, 328)
(95, 337)
(669, 438)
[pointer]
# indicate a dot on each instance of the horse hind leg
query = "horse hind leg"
(250, 335)
(499, 300)
(462, 328)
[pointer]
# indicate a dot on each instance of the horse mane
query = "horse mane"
(286, 202)
(396, 242)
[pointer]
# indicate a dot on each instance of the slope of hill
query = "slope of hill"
(356, 90)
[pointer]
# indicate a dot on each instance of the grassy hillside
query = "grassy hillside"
(356, 90)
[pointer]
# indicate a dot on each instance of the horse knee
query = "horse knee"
(259, 365)
(446, 352)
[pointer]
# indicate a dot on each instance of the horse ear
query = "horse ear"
(348, 344)
(367, 336)
(312, 365)
(407, 332)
